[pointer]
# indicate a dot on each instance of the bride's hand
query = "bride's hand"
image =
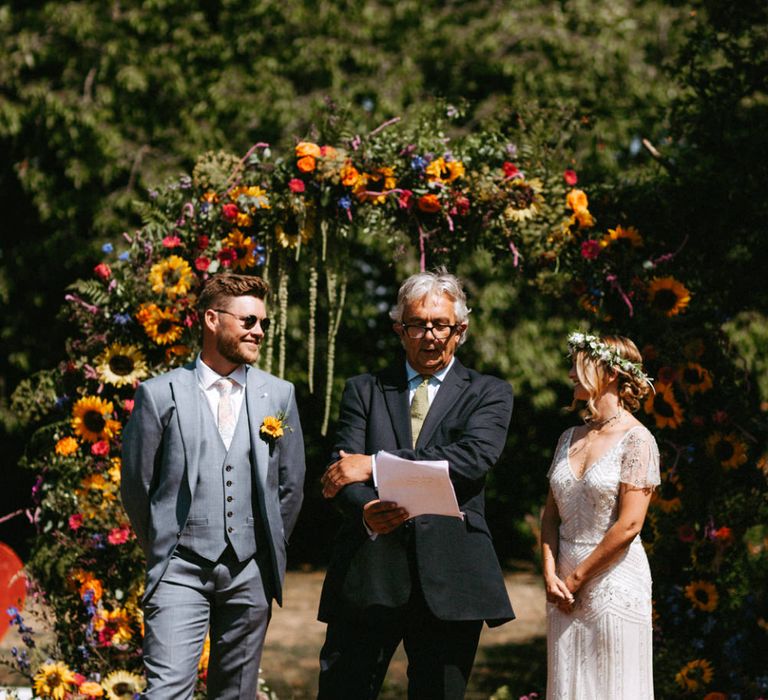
(558, 593)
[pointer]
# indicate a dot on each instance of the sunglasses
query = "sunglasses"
(247, 321)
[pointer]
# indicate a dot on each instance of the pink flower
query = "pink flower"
(462, 204)
(590, 249)
(118, 535)
(202, 242)
(202, 263)
(100, 448)
(75, 521)
(404, 199)
(570, 177)
(296, 185)
(510, 169)
(103, 271)
(128, 405)
(171, 241)
(230, 211)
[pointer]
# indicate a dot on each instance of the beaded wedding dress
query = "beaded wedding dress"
(602, 649)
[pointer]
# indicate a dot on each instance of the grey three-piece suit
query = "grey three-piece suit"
(213, 523)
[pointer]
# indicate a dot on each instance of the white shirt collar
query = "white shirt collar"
(439, 376)
(209, 377)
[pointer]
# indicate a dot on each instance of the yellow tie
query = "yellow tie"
(419, 407)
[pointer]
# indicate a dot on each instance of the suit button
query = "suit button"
(230, 514)
(178, 534)
(228, 467)
(230, 529)
(229, 483)
(229, 498)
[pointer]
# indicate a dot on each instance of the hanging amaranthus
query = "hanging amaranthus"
(337, 291)
(282, 320)
(313, 275)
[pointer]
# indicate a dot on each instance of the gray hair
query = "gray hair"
(432, 284)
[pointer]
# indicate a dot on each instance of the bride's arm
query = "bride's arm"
(633, 505)
(557, 592)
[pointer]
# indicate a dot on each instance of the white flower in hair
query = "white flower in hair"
(607, 354)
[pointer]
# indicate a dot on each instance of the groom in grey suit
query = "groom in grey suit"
(212, 479)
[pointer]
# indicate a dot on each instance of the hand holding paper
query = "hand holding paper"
(421, 487)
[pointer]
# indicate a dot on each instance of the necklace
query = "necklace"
(581, 451)
(598, 425)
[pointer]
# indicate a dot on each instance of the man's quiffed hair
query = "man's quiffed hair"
(227, 285)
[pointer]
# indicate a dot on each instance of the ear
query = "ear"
(210, 320)
(397, 327)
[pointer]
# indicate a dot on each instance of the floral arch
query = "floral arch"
(404, 189)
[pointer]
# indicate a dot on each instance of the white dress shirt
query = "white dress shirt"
(207, 379)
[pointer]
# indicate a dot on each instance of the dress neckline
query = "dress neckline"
(600, 458)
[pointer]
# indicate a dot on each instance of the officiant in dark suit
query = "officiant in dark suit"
(428, 581)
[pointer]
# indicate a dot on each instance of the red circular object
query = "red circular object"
(13, 585)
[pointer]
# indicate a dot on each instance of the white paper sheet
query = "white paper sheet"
(421, 487)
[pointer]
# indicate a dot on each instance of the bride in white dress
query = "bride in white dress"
(596, 573)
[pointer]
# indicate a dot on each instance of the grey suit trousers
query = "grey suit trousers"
(194, 593)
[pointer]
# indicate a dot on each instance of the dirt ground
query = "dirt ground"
(290, 660)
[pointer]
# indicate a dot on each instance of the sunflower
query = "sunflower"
(272, 427)
(66, 446)
(244, 247)
(163, 326)
(695, 379)
(629, 234)
(254, 198)
(523, 199)
(663, 406)
(123, 685)
(90, 419)
(289, 234)
(172, 276)
(54, 679)
(121, 365)
(113, 626)
(728, 449)
(694, 675)
(441, 170)
(667, 497)
(703, 595)
(668, 296)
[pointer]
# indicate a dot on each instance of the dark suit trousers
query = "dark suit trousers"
(358, 649)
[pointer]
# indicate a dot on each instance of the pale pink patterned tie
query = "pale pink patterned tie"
(225, 416)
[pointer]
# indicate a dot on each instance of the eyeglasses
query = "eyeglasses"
(247, 321)
(440, 331)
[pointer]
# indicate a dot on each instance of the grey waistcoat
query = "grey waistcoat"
(222, 510)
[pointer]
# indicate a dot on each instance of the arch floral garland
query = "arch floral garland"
(298, 214)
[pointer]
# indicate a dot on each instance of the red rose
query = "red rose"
(510, 169)
(570, 177)
(590, 249)
(227, 256)
(103, 271)
(202, 242)
(75, 521)
(296, 185)
(230, 211)
(202, 263)
(100, 448)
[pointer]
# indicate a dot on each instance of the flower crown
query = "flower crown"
(607, 354)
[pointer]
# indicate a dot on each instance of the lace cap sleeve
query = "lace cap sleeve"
(560, 450)
(640, 460)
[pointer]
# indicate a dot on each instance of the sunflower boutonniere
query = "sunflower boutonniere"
(274, 427)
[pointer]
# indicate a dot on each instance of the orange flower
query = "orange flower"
(66, 446)
(91, 689)
(306, 164)
(429, 203)
(715, 696)
(577, 199)
(307, 148)
(349, 175)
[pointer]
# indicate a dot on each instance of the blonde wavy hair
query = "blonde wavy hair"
(594, 375)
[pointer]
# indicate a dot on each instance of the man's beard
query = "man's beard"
(229, 348)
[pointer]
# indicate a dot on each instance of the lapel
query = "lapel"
(453, 386)
(394, 387)
(186, 397)
(257, 400)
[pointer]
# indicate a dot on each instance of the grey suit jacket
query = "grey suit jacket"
(160, 465)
